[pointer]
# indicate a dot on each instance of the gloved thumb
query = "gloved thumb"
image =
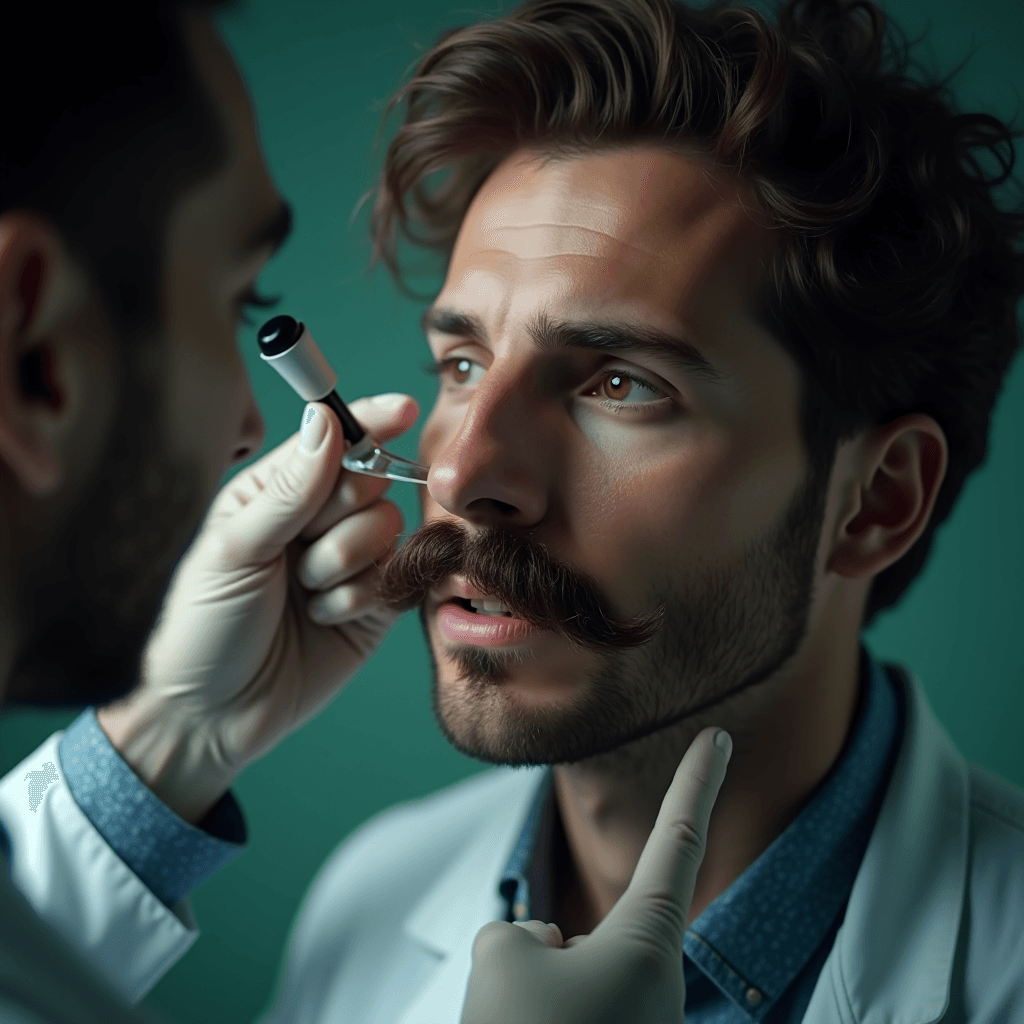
(295, 489)
(549, 934)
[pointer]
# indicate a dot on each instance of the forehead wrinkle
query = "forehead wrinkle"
(588, 244)
(570, 227)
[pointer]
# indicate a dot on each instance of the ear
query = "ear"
(897, 472)
(40, 291)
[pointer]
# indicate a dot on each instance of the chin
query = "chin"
(521, 713)
(85, 650)
(64, 676)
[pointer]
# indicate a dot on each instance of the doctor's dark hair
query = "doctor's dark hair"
(106, 127)
(896, 284)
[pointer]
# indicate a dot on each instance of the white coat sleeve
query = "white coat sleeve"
(76, 883)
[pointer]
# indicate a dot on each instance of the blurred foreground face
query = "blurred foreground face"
(165, 418)
(584, 457)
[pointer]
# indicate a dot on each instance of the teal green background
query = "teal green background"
(319, 74)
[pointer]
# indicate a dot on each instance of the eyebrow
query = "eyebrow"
(551, 335)
(272, 233)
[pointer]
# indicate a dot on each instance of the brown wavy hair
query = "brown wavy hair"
(896, 286)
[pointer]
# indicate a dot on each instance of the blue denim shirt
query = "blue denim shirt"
(755, 952)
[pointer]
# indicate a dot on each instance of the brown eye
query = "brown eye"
(456, 372)
(620, 386)
(616, 386)
(459, 369)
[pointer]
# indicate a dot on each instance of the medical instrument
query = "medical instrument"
(286, 344)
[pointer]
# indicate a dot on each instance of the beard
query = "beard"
(89, 593)
(716, 633)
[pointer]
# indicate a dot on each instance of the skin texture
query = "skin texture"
(690, 497)
(159, 423)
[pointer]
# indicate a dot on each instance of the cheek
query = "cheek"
(207, 393)
(699, 503)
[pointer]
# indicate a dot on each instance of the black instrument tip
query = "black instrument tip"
(278, 335)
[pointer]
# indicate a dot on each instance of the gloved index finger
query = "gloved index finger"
(660, 892)
(385, 416)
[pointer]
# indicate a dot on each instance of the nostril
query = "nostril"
(500, 506)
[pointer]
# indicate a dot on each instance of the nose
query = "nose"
(494, 469)
(253, 431)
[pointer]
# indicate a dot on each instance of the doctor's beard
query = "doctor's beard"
(716, 633)
(91, 592)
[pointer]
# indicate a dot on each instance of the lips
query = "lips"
(460, 623)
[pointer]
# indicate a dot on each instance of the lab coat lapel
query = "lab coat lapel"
(893, 956)
(461, 902)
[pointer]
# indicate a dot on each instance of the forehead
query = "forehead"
(660, 230)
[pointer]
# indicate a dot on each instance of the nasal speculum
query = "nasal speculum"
(288, 346)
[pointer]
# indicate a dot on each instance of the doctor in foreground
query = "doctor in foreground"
(725, 313)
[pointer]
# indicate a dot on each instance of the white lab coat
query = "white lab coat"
(934, 928)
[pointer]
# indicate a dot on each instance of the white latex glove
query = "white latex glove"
(235, 662)
(629, 969)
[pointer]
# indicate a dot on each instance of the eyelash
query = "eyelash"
(250, 299)
(437, 369)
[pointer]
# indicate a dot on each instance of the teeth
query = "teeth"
(485, 607)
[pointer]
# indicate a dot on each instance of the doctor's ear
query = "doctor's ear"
(41, 291)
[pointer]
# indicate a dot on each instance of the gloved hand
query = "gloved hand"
(236, 661)
(629, 969)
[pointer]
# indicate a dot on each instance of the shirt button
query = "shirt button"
(520, 911)
(753, 996)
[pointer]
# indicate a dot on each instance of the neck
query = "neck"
(787, 736)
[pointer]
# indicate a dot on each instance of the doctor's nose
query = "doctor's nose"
(252, 433)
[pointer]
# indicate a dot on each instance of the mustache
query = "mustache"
(518, 572)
